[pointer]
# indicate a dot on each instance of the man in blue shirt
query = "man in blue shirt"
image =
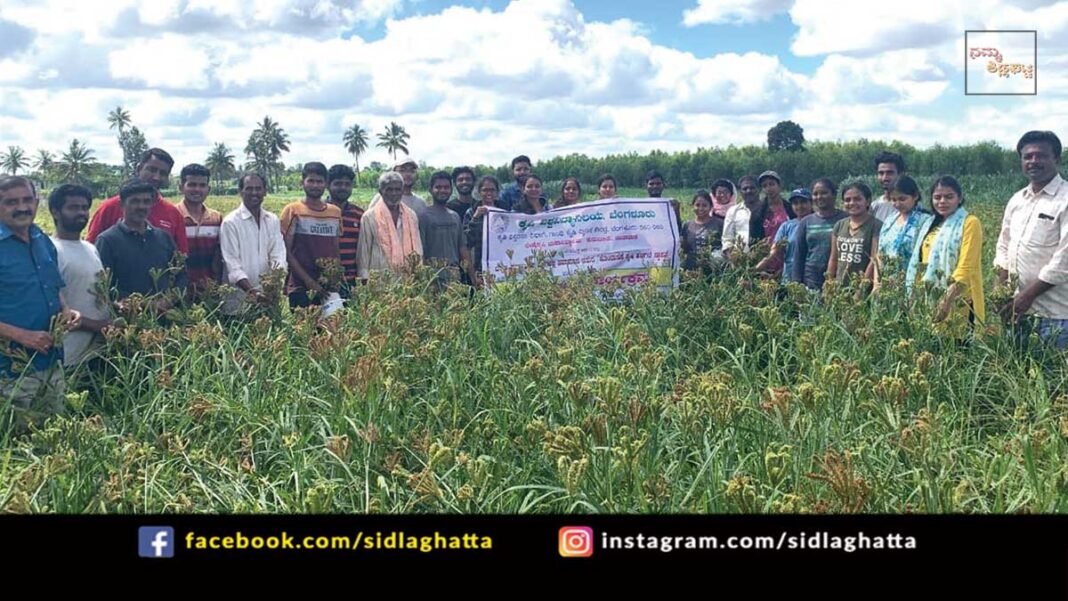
(31, 373)
(512, 193)
(132, 250)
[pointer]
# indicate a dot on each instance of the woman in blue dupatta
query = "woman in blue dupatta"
(948, 254)
(898, 235)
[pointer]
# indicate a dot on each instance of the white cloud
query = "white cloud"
(14, 71)
(169, 61)
(733, 11)
(480, 85)
(868, 27)
(898, 77)
(731, 83)
(101, 19)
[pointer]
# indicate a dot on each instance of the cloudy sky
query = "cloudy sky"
(477, 81)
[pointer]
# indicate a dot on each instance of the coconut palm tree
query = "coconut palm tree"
(259, 155)
(44, 163)
(14, 159)
(355, 139)
(221, 163)
(394, 138)
(266, 145)
(119, 118)
(75, 161)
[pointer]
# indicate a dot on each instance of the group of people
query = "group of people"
(865, 242)
(140, 238)
(870, 240)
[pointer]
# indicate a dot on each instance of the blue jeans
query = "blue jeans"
(1053, 332)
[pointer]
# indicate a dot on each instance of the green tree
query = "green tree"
(118, 118)
(265, 147)
(44, 164)
(14, 159)
(786, 135)
(133, 145)
(257, 152)
(355, 140)
(132, 141)
(394, 138)
(76, 161)
(221, 163)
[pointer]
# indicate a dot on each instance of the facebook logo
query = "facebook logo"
(155, 541)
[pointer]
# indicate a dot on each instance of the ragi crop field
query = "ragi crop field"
(725, 396)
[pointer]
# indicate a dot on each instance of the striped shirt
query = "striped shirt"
(204, 261)
(350, 237)
(311, 235)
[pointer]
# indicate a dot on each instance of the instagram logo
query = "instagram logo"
(576, 541)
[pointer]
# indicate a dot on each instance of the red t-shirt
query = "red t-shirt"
(162, 215)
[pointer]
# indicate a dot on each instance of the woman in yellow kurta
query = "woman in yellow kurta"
(949, 251)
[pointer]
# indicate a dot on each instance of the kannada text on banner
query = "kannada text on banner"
(626, 241)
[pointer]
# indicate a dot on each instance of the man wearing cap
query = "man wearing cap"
(406, 167)
(784, 245)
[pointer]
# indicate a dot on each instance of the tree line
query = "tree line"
(787, 152)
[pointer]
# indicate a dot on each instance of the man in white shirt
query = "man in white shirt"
(1033, 244)
(889, 166)
(251, 241)
(79, 263)
(736, 222)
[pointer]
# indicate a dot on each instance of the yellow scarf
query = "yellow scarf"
(396, 248)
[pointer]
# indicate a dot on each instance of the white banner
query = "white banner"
(626, 241)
